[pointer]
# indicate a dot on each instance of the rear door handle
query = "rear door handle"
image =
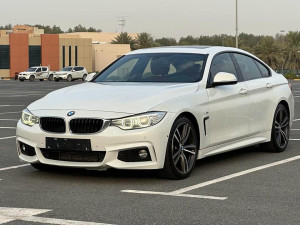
(243, 91)
(269, 85)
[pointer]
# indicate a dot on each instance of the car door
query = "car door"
(229, 104)
(44, 72)
(80, 72)
(38, 73)
(74, 72)
(259, 83)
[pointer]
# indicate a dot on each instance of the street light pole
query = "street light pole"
(236, 25)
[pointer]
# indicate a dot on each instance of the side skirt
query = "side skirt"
(236, 144)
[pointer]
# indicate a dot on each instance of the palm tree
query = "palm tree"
(144, 40)
(268, 51)
(292, 40)
(124, 38)
(229, 41)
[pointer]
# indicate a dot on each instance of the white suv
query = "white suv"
(71, 73)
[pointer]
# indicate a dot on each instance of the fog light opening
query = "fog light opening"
(143, 154)
(26, 149)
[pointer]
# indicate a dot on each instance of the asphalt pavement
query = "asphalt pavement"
(247, 186)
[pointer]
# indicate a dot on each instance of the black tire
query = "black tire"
(40, 166)
(56, 80)
(182, 150)
(69, 78)
(21, 80)
(32, 78)
(280, 131)
(84, 77)
(41, 79)
(50, 78)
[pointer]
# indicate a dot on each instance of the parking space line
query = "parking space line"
(295, 129)
(296, 119)
(294, 139)
(175, 195)
(10, 105)
(21, 95)
(179, 192)
(10, 119)
(31, 215)
(7, 127)
(10, 112)
(190, 188)
(14, 167)
(3, 138)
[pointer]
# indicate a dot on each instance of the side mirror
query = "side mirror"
(73, 71)
(223, 78)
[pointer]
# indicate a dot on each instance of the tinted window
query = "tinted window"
(34, 55)
(78, 68)
(44, 69)
(4, 57)
(156, 67)
(248, 67)
(263, 69)
(38, 70)
(222, 63)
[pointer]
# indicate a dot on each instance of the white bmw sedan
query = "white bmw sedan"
(160, 108)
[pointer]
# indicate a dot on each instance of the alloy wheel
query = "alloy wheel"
(184, 150)
(282, 127)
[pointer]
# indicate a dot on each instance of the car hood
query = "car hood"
(113, 97)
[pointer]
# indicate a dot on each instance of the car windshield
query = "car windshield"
(66, 69)
(31, 70)
(155, 67)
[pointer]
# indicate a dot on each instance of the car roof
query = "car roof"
(186, 49)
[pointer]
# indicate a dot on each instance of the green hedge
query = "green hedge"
(291, 76)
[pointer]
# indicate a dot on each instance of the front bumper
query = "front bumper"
(23, 77)
(60, 77)
(111, 140)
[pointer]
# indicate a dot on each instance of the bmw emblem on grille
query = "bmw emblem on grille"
(71, 113)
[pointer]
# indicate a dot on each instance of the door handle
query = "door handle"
(269, 85)
(243, 91)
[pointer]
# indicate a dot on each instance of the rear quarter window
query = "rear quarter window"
(265, 72)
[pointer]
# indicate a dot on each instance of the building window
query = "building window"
(76, 59)
(34, 55)
(70, 55)
(4, 57)
(64, 56)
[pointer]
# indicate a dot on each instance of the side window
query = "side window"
(248, 67)
(44, 69)
(38, 70)
(263, 69)
(76, 68)
(222, 63)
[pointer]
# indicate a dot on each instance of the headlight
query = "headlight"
(29, 119)
(139, 121)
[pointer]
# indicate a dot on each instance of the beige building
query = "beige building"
(104, 52)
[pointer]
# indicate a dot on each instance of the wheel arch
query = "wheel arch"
(193, 119)
(286, 104)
